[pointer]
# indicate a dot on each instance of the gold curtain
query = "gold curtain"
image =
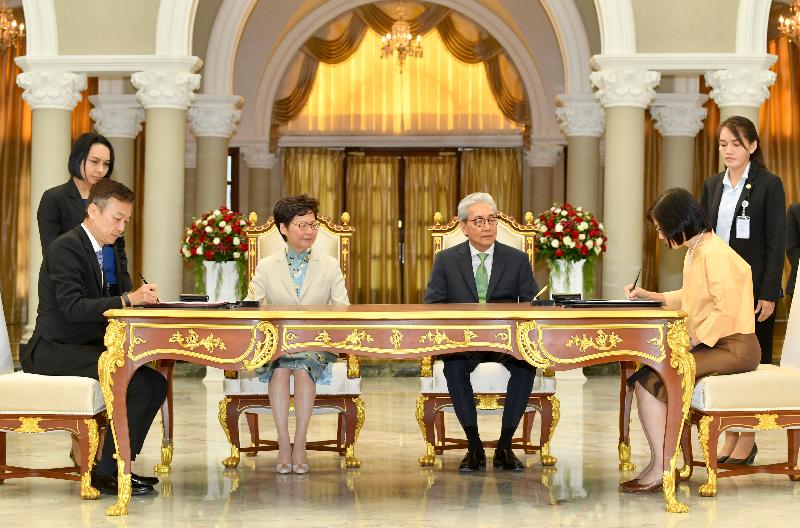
(497, 171)
(15, 140)
(706, 152)
(430, 186)
(317, 172)
(81, 122)
(652, 184)
(502, 74)
(372, 200)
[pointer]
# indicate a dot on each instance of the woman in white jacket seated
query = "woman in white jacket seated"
(296, 276)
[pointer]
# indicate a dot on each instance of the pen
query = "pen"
(636, 279)
(142, 277)
(540, 292)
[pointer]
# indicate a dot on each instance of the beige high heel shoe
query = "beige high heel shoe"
(284, 469)
(300, 469)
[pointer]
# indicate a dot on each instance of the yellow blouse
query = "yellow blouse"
(717, 293)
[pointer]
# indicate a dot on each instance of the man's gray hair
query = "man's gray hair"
(472, 199)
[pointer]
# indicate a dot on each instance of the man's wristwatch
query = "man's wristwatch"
(126, 301)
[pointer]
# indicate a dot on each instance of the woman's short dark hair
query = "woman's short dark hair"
(289, 207)
(741, 127)
(80, 151)
(106, 189)
(678, 215)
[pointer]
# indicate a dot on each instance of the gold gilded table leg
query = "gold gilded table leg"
(430, 452)
(625, 459)
(350, 460)
(166, 459)
(233, 460)
(544, 455)
(124, 490)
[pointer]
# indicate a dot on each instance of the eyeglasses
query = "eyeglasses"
(303, 225)
(480, 221)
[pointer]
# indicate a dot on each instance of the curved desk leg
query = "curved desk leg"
(679, 383)
(426, 414)
(627, 368)
(164, 366)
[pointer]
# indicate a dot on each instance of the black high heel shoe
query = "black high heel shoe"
(745, 461)
(723, 459)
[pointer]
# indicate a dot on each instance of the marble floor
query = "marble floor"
(391, 489)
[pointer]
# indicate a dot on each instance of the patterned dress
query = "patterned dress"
(317, 364)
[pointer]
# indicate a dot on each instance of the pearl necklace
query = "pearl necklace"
(691, 249)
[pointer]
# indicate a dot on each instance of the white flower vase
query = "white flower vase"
(221, 281)
(567, 277)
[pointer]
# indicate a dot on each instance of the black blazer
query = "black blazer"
(70, 325)
(452, 280)
(61, 209)
(764, 249)
(793, 243)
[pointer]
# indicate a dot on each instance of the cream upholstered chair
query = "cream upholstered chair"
(30, 403)
(489, 380)
(244, 392)
(766, 399)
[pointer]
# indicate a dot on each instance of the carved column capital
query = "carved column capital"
(166, 89)
(258, 156)
(52, 89)
(215, 115)
(117, 115)
(543, 154)
(740, 87)
(625, 87)
(679, 114)
(580, 115)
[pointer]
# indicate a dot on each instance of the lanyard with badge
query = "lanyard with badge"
(743, 221)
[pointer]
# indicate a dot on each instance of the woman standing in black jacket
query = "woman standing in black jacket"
(64, 206)
(746, 207)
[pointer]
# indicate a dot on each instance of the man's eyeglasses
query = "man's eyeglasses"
(480, 221)
(303, 225)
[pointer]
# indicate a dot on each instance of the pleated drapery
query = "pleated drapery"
(317, 172)
(497, 171)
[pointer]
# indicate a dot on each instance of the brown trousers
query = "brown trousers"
(733, 354)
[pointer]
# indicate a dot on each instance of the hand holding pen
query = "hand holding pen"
(146, 294)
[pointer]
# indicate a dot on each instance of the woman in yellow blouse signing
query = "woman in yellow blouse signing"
(296, 276)
(717, 296)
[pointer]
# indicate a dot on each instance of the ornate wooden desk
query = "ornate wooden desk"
(552, 337)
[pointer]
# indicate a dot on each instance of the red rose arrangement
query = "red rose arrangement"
(569, 233)
(216, 236)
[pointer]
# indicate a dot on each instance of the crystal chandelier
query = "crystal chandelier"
(400, 40)
(790, 26)
(11, 33)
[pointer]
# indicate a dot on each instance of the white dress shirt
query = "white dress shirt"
(727, 205)
(476, 260)
(96, 247)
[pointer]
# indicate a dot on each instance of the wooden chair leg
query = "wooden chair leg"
(438, 423)
(426, 416)
(255, 436)
(627, 368)
(89, 440)
(354, 420)
(708, 434)
(527, 426)
(164, 366)
(551, 412)
(229, 420)
(2, 454)
(793, 441)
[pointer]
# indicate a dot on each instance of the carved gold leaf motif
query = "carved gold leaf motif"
(603, 342)
(29, 424)
(438, 337)
(193, 341)
(356, 338)
(767, 422)
(397, 338)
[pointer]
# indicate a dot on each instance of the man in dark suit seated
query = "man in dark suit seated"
(70, 326)
(483, 270)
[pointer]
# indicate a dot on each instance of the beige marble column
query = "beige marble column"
(190, 173)
(263, 192)
(165, 96)
(52, 96)
(624, 95)
(119, 118)
(213, 120)
(582, 120)
(739, 92)
(541, 158)
(678, 118)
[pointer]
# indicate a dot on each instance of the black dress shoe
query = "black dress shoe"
(108, 485)
(474, 460)
(745, 461)
(138, 479)
(506, 459)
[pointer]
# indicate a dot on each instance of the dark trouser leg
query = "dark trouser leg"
(764, 331)
(457, 368)
(518, 393)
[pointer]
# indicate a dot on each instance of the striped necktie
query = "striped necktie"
(99, 255)
(482, 278)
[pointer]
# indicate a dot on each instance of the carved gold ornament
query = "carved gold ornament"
(709, 488)
(166, 459)
(233, 460)
(767, 422)
(426, 367)
(353, 366)
(264, 349)
(193, 341)
(544, 454)
(28, 424)
(124, 486)
(430, 452)
(356, 338)
(603, 342)
(625, 459)
(87, 491)
(350, 460)
(488, 402)
(396, 339)
(439, 338)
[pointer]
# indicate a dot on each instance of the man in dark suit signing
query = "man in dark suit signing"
(483, 270)
(70, 326)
